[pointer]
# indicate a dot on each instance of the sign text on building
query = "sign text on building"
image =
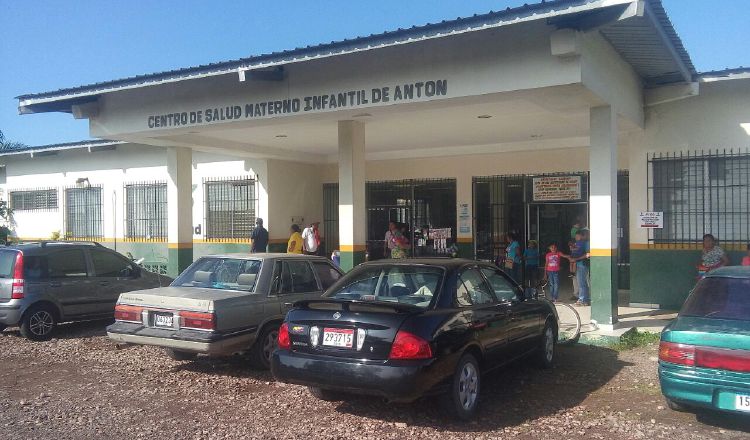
(651, 219)
(557, 188)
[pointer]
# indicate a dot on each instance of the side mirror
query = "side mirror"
(530, 293)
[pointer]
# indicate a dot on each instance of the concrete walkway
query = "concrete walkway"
(645, 320)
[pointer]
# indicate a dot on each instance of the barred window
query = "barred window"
(701, 193)
(146, 211)
(83, 213)
(33, 199)
(230, 207)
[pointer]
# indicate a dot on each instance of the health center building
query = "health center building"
(521, 121)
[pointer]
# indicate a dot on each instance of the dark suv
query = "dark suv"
(45, 283)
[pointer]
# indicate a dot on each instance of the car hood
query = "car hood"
(187, 298)
(720, 333)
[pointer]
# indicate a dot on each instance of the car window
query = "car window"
(7, 263)
(221, 274)
(503, 288)
(298, 277)
(34, 267)
(111, 265)
(416, 285)
(327, 274)
(720, 298)
(471, 289)
(69, 263)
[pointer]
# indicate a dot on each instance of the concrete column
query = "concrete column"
(352, 216)
(603, 213)
(465, 216)
(180, 208)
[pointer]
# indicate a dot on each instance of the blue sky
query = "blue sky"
(46, 45)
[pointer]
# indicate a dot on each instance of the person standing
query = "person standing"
(552, 262)
(259, 237)
(311, 239)
(513, 257)
(746, 258)
(390, 240)
(712, 256)
(294, 246)
(582, 268)
(531, 258)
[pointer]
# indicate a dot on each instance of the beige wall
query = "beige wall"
(294, 190)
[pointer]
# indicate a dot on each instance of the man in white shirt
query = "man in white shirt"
(311, 239)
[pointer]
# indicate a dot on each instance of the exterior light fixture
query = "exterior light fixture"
(362, 115)
(83, 180)
(484, 116)
(280, 135)
(536, 136)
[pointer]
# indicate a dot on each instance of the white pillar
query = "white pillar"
(352, 215)
(179, 208)
(603, 214)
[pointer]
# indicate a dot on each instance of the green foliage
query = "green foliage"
(55, 236)
(634, 339)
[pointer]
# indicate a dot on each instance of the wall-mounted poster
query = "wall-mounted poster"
(557, 188)
(651, 220)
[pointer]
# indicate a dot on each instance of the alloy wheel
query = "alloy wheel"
(468, 385)
(549, 344)
(270, 344)
(41, 323)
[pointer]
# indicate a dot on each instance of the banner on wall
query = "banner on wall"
(556, 188)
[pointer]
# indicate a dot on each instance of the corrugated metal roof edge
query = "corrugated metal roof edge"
(312, 49)
(663, 18)
(724, 72)
(61, 146)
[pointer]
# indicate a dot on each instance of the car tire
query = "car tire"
(179, 355)
(462, 399)
(3, 327)
(38, 323)
(325, 394)
(545, 354)
(674, 406)
(264, 346)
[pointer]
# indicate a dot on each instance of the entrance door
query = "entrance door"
(551, 223)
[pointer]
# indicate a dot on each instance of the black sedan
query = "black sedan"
(408, 328)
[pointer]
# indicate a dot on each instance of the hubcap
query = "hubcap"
(468, 386)
(549, 344)
(270, 344)
(41, 323)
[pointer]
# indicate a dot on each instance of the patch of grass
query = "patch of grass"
(634, 339)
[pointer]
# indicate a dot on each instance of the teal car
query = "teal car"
(704, 354)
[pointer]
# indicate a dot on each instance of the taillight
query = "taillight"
(17, 288)
(673, 353)
(128, 313)
(196, 320)
(409, 346)
(723, 359)
(284, 342)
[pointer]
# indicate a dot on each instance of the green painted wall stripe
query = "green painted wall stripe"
(604, 290)
(351, 259)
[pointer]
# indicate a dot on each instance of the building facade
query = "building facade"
(515, 121)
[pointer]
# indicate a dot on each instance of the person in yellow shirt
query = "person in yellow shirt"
(295, 241)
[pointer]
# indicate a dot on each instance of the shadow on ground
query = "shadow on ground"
(74, 330)
(511, 395)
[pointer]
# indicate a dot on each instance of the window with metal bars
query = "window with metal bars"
(146, 211)
(230, 207)
(83, 213)
(42, 199)
(700, 193)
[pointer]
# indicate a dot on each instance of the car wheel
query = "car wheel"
(38, 323)
(324, 394)
(463, 397)
(3, 327)
(546, 352)
(180, 355)
(264, 346)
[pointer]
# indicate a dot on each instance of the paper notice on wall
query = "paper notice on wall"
(464, 219)
(651, 220)
(440, 237)
(556, 188)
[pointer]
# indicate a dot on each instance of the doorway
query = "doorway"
(551, 223)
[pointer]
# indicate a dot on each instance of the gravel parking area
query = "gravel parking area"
(81, 386)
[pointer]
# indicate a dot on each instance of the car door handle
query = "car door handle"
(288, 305)
(104, 283)
(478, 325)
(55, 284)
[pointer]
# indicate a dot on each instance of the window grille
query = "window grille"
(230, 208)
(700, 193)
(83, 213)
(146, 211)
(42, 199)
(331, 217)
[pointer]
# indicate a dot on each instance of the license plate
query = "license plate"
(338, 337)
(742, 402)
(163, 320)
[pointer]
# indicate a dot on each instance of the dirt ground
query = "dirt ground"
(81, 386)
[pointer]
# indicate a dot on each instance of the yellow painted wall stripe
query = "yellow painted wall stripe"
(731, 246)
(465, 239)
(180, 245)
(602, 252)
(353, 247)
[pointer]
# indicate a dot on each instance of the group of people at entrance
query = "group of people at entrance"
(517, 263)
(305, 241)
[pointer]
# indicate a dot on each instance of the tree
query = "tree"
(5, 144)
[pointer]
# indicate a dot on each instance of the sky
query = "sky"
(47, 45)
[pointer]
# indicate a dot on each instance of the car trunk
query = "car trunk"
(349, 329)
(710, 332)
(7, 269)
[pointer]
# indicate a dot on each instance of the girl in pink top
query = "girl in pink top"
(552, 262)
(746, 258)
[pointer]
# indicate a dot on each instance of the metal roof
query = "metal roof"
(93, 144)
(62, 99)
(725, 74)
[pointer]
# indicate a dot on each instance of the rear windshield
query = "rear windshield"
(221, 274)
(7, 263)
(416, 285)
(721, 298)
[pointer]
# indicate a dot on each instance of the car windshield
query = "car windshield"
(721, 298)
(415, 285)
(221, 273)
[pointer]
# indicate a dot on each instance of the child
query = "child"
(531, 257)
(746, 258)
(552, 263)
